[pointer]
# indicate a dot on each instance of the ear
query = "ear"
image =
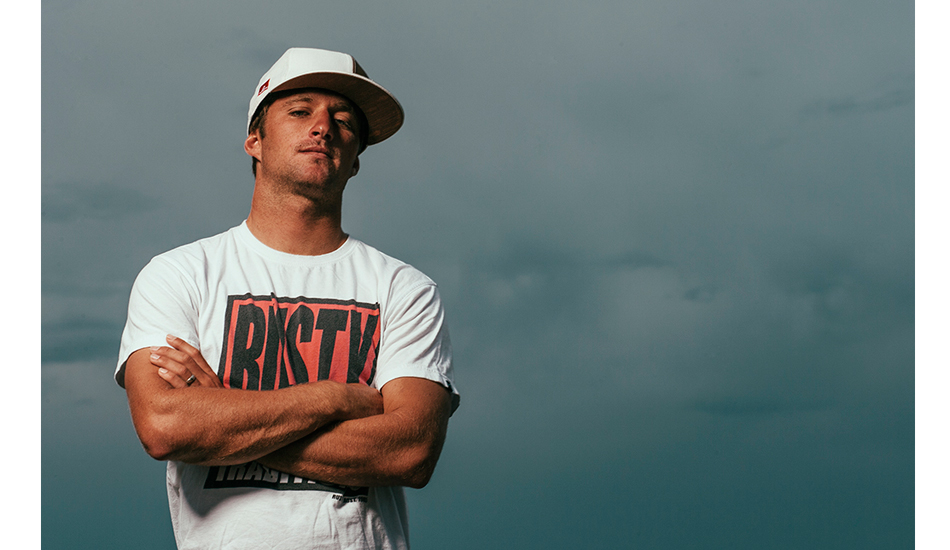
(252, 145)
(356, 167)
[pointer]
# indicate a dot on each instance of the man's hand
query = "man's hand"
(178, 363)
(361, 401)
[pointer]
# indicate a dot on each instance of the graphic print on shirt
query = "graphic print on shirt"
(274, 342)
(255, 474)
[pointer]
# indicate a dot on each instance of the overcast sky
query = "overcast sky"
(675, 242)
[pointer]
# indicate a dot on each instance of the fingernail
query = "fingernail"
(170, 338)
(163, 371)
(153, 356)
(154, 348)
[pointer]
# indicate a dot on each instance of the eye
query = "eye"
(299, 113)
(344, 122)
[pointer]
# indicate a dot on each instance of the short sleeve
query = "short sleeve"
(415, 340)
(163, 301)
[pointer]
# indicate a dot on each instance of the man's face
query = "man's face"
(308, 145)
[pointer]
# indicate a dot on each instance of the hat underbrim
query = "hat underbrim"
(383, 113)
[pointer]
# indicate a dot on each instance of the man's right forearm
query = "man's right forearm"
(215, 426)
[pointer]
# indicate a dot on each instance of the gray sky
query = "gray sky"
(675, 243)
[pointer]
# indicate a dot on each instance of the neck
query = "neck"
(295, 225)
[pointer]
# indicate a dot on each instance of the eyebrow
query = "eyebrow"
(338, 103)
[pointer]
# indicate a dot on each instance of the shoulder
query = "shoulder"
(407, 295)
(182, 270)
(195, 256)
(399, 273)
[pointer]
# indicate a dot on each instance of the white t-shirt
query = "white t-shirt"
(265, 320)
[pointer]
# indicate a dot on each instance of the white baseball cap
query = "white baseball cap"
(337, 72)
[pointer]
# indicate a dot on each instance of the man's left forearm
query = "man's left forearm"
(399, 447)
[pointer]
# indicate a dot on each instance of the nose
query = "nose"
(322, 124)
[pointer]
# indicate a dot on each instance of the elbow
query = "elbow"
(156, 447)
(420, 458)
(158, 452)
(419, 479)
(416, 478)
(418, 467)
(158, 438)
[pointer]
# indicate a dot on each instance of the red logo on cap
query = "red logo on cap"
(263, 87)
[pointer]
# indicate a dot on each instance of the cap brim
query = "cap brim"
(383, 113)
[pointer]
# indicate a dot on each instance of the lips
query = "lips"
(314, 149)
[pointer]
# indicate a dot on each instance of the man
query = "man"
(333, 385)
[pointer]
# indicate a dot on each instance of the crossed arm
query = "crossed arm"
(348, 434)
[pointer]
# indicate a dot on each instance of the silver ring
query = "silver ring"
(191, 380)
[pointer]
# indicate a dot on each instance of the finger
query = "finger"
(160, 357)
(179, 365)
(180, 357)
(196, 363)
(182, 345)
(190, 350)
(172, 378)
